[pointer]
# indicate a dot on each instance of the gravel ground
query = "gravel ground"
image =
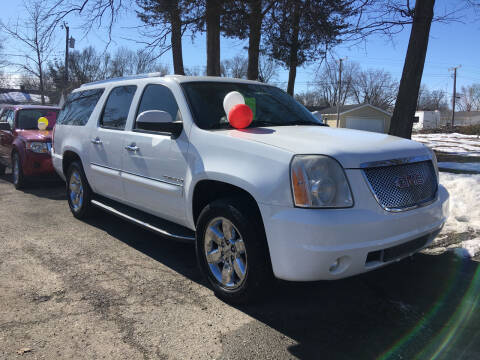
(108, 289)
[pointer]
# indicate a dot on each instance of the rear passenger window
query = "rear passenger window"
(78, 107)
(11, 118)
(3, 117)
(159, 97)
(116, 109)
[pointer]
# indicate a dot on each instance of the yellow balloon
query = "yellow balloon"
(42, 123)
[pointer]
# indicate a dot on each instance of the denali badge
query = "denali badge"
(403, 182)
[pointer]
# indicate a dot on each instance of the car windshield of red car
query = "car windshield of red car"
(28, 118)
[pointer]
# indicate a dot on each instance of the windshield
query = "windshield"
(270, 105)
(28, 118)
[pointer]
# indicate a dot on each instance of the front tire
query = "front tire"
(2, 169)
(79, 193)
(17, 171)
(232, 250)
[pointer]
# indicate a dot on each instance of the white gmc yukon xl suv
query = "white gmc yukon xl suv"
(286, 197)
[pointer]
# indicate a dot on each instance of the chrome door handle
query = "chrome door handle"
(96, 141)
(132, 147)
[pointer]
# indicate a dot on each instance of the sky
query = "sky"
(451, 44)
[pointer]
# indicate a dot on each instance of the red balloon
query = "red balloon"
(240, 116)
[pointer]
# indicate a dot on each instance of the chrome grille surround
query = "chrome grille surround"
(383, 176)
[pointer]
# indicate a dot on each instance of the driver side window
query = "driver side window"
(159, 97)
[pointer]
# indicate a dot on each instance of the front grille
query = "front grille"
(399, 187)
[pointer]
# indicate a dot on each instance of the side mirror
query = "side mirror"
(159, 121)
(5, 126)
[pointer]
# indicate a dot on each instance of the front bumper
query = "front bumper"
(37, 164)
(57, 161)
(304, 244)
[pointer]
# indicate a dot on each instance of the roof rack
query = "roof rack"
(129, 77)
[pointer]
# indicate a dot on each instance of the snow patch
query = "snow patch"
(464, 192)
(472, 247)
(460, 166)
(458, 144)
(464, 215)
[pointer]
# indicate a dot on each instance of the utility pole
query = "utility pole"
(454, 97)
(67, 29)
(339, 90)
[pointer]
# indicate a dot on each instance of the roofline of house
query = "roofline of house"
(361, 107)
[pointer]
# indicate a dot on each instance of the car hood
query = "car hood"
(36, 135)
(350, 147)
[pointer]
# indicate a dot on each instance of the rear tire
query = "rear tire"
(233, 239)
(17, 171)
(79, 193)
(2, 169)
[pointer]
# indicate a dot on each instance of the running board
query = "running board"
(147, 221)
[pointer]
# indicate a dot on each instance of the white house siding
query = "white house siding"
(427, 120)
(362, 112)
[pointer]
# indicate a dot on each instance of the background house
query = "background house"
(361, 117)
(426, 120)
(462, 118)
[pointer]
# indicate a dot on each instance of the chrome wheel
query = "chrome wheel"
(75, 191)
(16, 168)
(225, 253)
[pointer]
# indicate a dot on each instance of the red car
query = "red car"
(23, 145)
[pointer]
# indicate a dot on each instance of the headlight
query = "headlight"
(434, 161)
(37, 147)
(319, 181)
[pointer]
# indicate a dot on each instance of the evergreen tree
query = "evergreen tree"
(301, 31)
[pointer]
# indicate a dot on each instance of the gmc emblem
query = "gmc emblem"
(403, 182)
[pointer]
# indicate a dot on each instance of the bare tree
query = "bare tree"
(375, 87)
(96, 13)
(327, 82)
(195, 71)
(469, 98)
(310, 98)
(431, 100)
(267, 69)
(33, 35)
(235, 67)
(128, 62)
(390, 17)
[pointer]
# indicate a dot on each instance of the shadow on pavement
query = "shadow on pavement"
(411, 309)
(176, 255)
(415, 308)
(51, 187)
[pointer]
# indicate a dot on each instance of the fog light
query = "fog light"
(334, 266)
(340, 265)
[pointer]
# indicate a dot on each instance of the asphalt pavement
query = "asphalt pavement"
(106, 289)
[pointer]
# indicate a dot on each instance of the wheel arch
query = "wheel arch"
(69, 156)
(19, 148)
(208, 190)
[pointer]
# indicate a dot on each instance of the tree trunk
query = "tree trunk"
(255, 27)
(292, 74)
(402, 119)
(213, 37)
(176, 40)
(40, 77)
